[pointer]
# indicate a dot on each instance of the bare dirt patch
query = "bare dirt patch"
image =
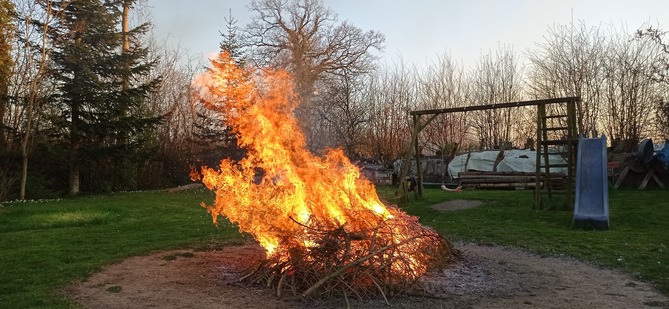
(484, 277)
(456, 205)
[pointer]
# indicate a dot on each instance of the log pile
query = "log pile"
(505, 180)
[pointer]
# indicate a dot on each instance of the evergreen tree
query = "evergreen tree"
(102, 118)
(211, 133)
(231, 42)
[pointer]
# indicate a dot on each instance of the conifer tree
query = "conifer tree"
(232, 43)
(102, 120)
(211, 132)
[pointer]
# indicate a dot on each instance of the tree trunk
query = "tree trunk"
(74, 180)
(75, 145)
(74, 168)
(125, 25)
(24, 150)
(3, 107)
(32, 104)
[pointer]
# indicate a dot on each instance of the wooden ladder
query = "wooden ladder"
(556, 135)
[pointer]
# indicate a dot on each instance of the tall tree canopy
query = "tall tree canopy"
(211, 134)
(659, 73)
(306, 38)
(102, 115)
(570, 63)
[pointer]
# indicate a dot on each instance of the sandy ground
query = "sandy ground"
(484, 277)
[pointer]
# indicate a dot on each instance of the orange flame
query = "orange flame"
(280, 188)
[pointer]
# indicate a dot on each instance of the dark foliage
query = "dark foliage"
(102, 124)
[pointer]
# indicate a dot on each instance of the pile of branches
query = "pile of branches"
(383, 261)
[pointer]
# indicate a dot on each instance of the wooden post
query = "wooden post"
(419, 171)
(621, 177)
(500, 157)
(417, 127)
(645, 180)
(541, 113)
(572, 150)
(406, 161)
(658, 181)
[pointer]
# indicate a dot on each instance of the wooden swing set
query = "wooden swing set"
(550, 123)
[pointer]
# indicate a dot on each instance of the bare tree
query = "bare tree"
(615, 75)
(28, 79)
(629, 92)
(345, 114)
(306, 38)
(393, 93)
(444, 84)
(570, 63)
(496, 79)
(659, 74)
(173, 98)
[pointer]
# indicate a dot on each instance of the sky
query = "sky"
(419, 31)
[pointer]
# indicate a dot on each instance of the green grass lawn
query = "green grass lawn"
(45, 245)
(636, 243)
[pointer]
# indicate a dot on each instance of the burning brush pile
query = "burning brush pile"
(323, 227)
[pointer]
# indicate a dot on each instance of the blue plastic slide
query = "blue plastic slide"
(591, 208)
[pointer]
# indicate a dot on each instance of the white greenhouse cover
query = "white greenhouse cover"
(514, 161)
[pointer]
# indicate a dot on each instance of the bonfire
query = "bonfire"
(323, 227)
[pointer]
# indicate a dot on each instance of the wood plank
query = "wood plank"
(493, 106)
(657, 180)
(622, 176)
(502, 185)
(495, 181)
(644, 182)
